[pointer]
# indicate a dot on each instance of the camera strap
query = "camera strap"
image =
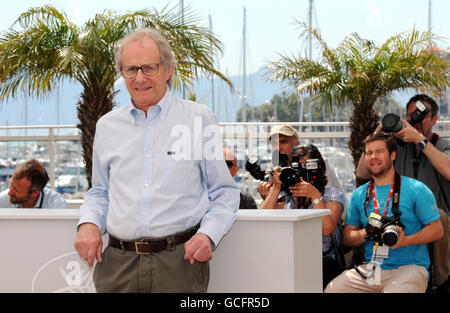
(379, 253)
(416, 154)
(434, 138)
(42, 199)
(375, 202)
(394, 192)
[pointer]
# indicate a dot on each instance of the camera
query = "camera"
(383, 230)
(253, 165)
(310, 172)
(392, 123)
(254, 168)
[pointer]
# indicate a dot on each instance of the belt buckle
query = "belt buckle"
(138, 244)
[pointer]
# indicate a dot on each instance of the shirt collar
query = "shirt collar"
(163, 104)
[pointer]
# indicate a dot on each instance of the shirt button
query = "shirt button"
(146, 185)
(147, 156)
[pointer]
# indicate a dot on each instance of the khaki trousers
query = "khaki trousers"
(405, 279)
(163, 272)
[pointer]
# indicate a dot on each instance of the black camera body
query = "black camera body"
(383, 230)
(309, 172)
(254, 168)
(392, 123)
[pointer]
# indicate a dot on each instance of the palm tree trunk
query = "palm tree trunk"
(94, 103)
(362, 124)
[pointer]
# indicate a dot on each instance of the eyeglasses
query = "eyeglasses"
(150, 69)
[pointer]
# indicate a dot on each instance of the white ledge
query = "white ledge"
(280, 215)
(243, 215)
(39, 214)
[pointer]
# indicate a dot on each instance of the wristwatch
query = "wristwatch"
(317, 201)
(423, 143)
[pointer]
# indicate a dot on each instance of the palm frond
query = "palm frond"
(359, 72)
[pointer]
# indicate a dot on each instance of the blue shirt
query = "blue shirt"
(418, 208)
(51, 200)
(160, 174)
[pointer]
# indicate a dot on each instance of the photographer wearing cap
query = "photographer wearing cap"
(399, 216)
(283, 139)
(306, 181)
(424, 155)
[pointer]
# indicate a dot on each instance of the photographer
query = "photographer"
(283, 139)
(27, 189)
(424, 155)
(392, 207)
(247, 202)
(314, 195)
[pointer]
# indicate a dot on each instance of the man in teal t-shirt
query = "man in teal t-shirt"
(402, 267)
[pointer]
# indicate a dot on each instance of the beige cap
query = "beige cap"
(286, 130)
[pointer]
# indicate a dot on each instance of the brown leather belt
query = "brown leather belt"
(146, 246)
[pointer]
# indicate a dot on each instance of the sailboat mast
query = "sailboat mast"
(212, 75)
(244, 91)
(310, 26)
(182, 22)
(429, 14)
(310, 52)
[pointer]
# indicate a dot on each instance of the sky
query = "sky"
(270, 24)
(270, 30)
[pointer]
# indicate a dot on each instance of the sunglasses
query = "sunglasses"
(229, 163)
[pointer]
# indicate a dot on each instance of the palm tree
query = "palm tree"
(360, 72)
(43, 46)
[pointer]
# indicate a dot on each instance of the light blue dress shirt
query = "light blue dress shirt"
(160, 174)
(51, 200)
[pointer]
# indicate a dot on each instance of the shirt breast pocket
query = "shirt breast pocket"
(181, 176)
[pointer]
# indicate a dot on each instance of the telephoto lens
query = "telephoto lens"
(391, 123)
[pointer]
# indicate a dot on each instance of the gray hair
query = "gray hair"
(165, 51)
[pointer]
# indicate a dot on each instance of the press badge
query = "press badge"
(381, 253)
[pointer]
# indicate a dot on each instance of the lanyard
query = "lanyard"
(375, 202)
(42, 199)
(395, 199)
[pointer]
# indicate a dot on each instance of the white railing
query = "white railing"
(248, 135)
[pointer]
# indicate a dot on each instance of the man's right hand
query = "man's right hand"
(89, 243)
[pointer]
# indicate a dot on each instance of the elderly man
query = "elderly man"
(27, 189)
(157, 189)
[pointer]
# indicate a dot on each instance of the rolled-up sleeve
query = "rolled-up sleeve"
(96, 202)
(223, 192)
